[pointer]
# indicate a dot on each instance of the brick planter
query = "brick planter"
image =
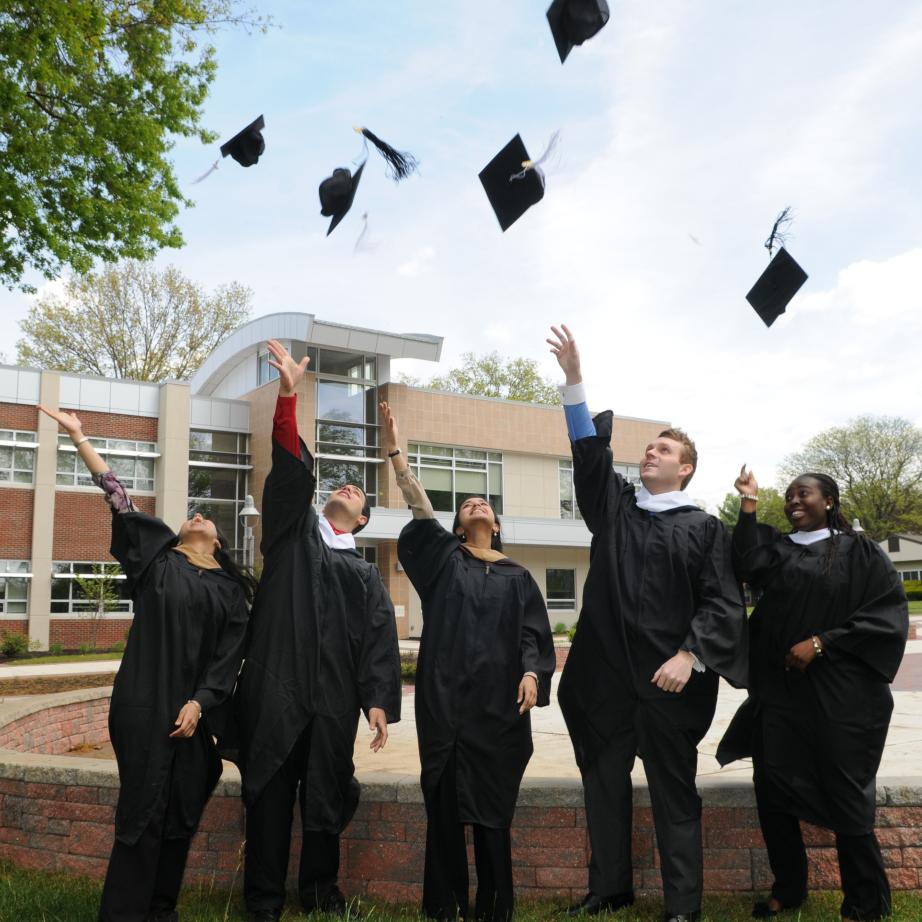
(56, 813)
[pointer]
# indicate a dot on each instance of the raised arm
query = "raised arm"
(413, 492)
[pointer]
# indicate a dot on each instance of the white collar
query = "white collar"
(344, 542)
(810, 537)
(660, 502)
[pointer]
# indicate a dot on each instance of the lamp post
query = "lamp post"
(248, 515)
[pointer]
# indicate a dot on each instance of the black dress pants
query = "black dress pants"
(144, 879)
(865, 887)
(268, 843)
(445, 880)
(666, 738)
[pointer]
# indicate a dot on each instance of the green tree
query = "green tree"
(91, 93)
(877, 462)
(101, 595)
(131, 321)
(489, 375)
(769, 511)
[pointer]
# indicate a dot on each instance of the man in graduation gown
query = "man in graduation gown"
(323, 645)
(662, 618)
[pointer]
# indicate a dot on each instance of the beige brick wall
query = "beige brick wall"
(531, 486)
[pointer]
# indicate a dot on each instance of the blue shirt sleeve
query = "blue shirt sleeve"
(579, 422)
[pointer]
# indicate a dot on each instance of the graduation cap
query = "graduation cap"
(246, 147)
(337, 193)
(781, 280)
(513, 182)
(573, 22)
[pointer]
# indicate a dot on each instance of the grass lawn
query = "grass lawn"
(28, 896)
(915, 607)
(63, 658)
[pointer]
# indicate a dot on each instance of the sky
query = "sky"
(684, 129)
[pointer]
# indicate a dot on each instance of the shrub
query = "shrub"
(13, 643)
(571, 633)
(118, 646)
(560, 628)
(913, 589)
(56, 649)
(87, 648)
(408, 667)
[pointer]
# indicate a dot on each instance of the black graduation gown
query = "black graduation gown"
(657, 583)
(186, 641)
(823, 730)
(484, 626)
(323, 644)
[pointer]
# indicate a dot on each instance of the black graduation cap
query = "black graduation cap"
(337, 193)
(246, 146)
(573, 22)
(512, 183)
(776, 286)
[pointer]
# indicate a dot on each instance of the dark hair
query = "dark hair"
(242, 576)
(688, 455)
(366, 511)
(835, 520)
(496, 542)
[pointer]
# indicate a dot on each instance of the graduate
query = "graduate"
(828, 635)
(486, 657)
(662, 619)
(181, 661)
(323, 645)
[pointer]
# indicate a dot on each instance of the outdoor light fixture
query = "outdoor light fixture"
(248, 515)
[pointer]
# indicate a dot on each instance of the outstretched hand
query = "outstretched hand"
(377, 722)
(290, 371)
(746, 482)
(564, 348)
(67, 421)
(389, 429)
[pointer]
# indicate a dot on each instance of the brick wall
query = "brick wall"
(57, 730)
(71, 633)
(16, 518)
(115, 425)
(19, 416)
(14, 627)
(83, 524)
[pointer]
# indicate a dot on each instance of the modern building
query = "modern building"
(205, 444)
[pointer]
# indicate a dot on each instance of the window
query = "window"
(561, 590)
(266, 373)
(630, 472)
(908, 575)
(219, 465)
(132, 461)
(568, 507)
(68, 598)
(17, 456)
(14, 587)
(451, 475)
(369, 552)
(893, 544)
(347, 417)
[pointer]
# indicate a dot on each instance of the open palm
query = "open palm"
(290, 371)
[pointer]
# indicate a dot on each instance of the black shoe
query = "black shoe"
(762, 909)
(264, 915)
(593, 904)
(682, 916)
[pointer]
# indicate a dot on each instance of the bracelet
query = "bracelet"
(394, 453)
(193, 701)
(817, 647)
(79, 442)
(750, 497)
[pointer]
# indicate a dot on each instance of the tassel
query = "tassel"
(779, 235)
(400, 163)
(207, 173)
(536, 164)
(361, 244)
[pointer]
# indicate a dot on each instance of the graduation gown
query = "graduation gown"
(186, 641)
(484, 626)
(822, 730)
(657, 583)
(323, 644)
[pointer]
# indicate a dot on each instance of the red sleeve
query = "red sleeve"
(285, 425)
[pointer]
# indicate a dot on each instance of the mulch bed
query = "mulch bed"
(49, 685)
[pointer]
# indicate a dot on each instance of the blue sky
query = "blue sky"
(678, 120)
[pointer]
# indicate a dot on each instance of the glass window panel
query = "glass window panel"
(144, 468)
(442, 501)
(495, 456)
(6, 457)
(122, 445)
(213, 483)
(497, 501)
(6, 434)
(22, 476)
(561, 588)
(123, 467)
(470, 454)
(471, 483)
(224, 516)
(341, 402)
(434, 479)
(24, 459)
(5, 475)
(333, 474)
(344, 435)
(343, 364)
(496, 478)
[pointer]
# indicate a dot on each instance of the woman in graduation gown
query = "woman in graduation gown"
(827, 638)
(183, 654)
(486, 658)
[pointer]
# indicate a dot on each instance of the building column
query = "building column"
(172, 480)
(45, 485)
